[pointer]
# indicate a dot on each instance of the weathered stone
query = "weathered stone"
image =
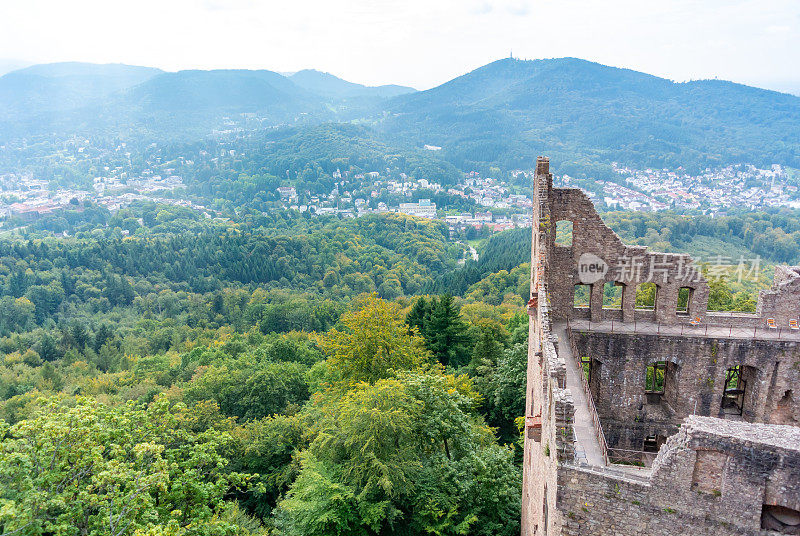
(717, 471)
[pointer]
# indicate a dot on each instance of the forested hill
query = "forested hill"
(238, 377)
(333, 86)
(230, 90)
(504, 114)
(313, 154)
(510, 111)
(57, 87)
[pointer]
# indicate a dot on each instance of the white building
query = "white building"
(287, 193)
(423, 209)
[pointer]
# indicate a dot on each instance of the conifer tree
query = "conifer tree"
(446, 333)
(487, 353)
(416, 317)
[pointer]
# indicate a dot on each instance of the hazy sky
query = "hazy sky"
(414, 42)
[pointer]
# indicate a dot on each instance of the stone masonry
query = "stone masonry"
(689, 421)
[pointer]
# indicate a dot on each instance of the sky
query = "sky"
(421, 43)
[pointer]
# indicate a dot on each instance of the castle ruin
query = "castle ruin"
(647, 414)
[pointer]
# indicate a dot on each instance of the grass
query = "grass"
(476, 242)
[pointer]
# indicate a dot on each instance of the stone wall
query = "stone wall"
(549, 405)
(630, 266)
(781, 302)
(712, 478)
(549, 440)
(694, 383)
(627, 266)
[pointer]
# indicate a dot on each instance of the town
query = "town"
(511, 210)
(741, 186)
(116, 179)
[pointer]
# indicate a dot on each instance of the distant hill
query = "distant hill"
(233, 90)
(583, 114)
(119, 74)
(328, 85)
(7, 65)
(125, 99)
(586, 115)
(58, 87)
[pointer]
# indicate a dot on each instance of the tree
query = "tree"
(373, 343)
(90, 469)
(101, 336)
(267, 448)
(46, 299)
(48, 349)
(319, 505)
(16, 314)
(252, 391)
(485, 358)
(446, 333)
(390, 288)
(403, 455)
(508, 391)
(78, 335)
(720, 297)
(418, 314)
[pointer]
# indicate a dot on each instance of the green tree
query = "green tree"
(446, 333)
(319, 505)
(405, 454)
(48, 349)
(251, 391)
(720, 297)
(268, 448)
(417, 316)
(508, 391)
(485, 358)
(90, 469)
(373, 342)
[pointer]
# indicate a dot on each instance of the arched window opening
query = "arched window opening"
(780, 519)
(564, 233)
(581, 296)
(646, 296)
(612, 295)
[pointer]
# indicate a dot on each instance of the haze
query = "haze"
(421, 43)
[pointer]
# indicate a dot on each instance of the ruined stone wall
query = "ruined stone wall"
(627, 266)
(712, 478)
(694, 383)
(549, 432)
(781, 301)
(546, 401)
(549, 439)
(630, 266)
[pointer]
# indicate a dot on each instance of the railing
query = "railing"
(601, 438)
(633, 458)
(685, 329)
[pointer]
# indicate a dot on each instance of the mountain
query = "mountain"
(328, 85)
(587, 115)
(7, 65)
(119, 99)
(232, 90)
(117, 74)
(583, 114)
(59, 87)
